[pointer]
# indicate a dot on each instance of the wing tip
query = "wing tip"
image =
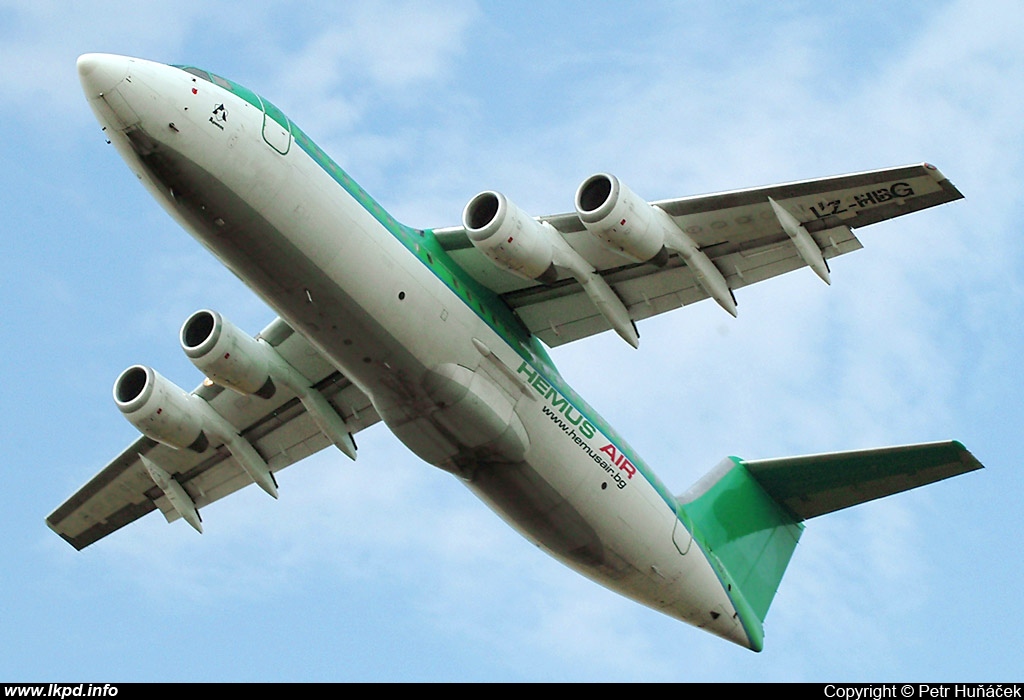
(967, 458)
(73, 541)
(951, 190)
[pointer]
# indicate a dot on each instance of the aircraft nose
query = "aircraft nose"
(101, 72)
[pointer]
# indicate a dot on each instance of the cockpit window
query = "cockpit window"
(210, 77)
(217, 80)
(239, 90)
(197, 72)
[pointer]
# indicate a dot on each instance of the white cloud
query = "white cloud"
(365, 59)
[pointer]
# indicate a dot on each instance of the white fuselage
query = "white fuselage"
(452, 387)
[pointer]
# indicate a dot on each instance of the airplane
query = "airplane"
(442, 335)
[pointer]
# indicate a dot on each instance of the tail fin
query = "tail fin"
(748, 516)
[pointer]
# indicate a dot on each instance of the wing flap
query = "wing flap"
(280, 429)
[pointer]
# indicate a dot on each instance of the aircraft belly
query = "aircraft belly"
(555, 496)
(335, 274)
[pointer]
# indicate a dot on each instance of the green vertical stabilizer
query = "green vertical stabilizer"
(747, 536)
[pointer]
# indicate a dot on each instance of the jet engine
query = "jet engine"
(642, 232)
(512, 239)
(233, 359)
(164, 412)
(226, 355)
(620, 220)
(159, 409)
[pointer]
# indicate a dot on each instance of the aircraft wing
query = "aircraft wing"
(280, 429)
(741, 232)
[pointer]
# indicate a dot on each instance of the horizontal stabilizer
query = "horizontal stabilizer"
(748, 516)
(814, 485)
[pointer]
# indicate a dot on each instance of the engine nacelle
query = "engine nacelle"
(512, 239)
(226, 355)
(159, 409)
(620, 220)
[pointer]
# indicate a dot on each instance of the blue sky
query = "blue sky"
(388, 569)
